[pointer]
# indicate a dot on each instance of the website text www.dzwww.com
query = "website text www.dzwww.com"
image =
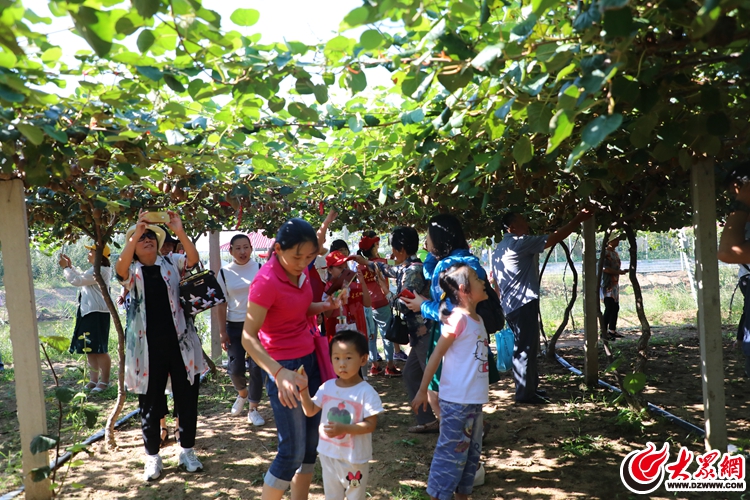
(705, 485)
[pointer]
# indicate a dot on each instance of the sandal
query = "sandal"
(177, 434)
(430, 428)
(164, 437)
(90, 385)
(101, 386)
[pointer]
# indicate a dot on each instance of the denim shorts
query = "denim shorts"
(298, 434)
(457, 452)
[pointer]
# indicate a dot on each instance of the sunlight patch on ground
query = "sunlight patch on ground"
(551, 493)
(537, 462)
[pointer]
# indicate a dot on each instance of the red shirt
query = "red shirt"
(285, 332)
(354, 310)
(376, 293)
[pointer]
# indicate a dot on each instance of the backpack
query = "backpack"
(491, 311)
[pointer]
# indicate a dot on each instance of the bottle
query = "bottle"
(342, 325)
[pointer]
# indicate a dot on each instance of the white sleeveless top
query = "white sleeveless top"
(465, 375)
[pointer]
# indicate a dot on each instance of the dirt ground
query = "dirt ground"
(571, 448)
(51, 303)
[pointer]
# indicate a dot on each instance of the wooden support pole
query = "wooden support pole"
(590, 305)
(214, 258)
(24, 336)
(709, 308)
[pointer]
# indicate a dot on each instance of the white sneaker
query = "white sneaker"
(254, 418)
(189, 461)
(479, 475)
(238, 406)
(153, 467)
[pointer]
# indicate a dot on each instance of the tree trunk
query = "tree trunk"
(541, 273)
(599, 274)
(633, 401)
(640, 363)
(573, 296)
(109, 429)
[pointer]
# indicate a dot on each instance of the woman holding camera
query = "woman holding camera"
(160, 343)
(91, 331)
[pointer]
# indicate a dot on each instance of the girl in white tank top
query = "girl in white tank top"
(464, 383)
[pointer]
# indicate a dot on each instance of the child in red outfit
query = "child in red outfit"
(355, 301)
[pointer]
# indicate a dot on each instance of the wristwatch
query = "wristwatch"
(738, 206)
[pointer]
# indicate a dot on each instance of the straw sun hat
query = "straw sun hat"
(160, 234)
(619, 237)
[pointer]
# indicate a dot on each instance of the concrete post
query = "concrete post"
(590, 304)
(709, 308)
(24, 336)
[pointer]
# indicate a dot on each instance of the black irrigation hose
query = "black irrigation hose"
(653, 408)
(98, 435)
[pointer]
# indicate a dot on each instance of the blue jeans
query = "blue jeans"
(298, 434)
(457, 451)
(239, 364)
(381, 317)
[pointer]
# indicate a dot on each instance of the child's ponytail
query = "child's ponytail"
(450, 280)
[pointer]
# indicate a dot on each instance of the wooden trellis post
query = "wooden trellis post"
(590, 304)
(709, 308)
(214, 258)
(24, 336)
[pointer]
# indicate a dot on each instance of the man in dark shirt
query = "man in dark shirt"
(515, 266)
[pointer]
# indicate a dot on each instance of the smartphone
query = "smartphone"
(157, 217)
(407, 293)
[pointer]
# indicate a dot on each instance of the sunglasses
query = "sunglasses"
(149, 235)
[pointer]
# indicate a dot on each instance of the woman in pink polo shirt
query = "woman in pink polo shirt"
(279, 337)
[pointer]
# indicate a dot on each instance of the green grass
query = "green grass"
(60, 328)
(580, 446)
(663, 305)
(576, 412)
(408, 442)
(406, 492)
(631, 420)
(563, 379)
(742, 443)
(10, 452)
(10, 470)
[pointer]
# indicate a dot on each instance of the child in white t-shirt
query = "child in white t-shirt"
(350, 407)
(464, 384)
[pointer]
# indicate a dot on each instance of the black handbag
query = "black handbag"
(199, 291)
(491, 311)
(397, 331)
